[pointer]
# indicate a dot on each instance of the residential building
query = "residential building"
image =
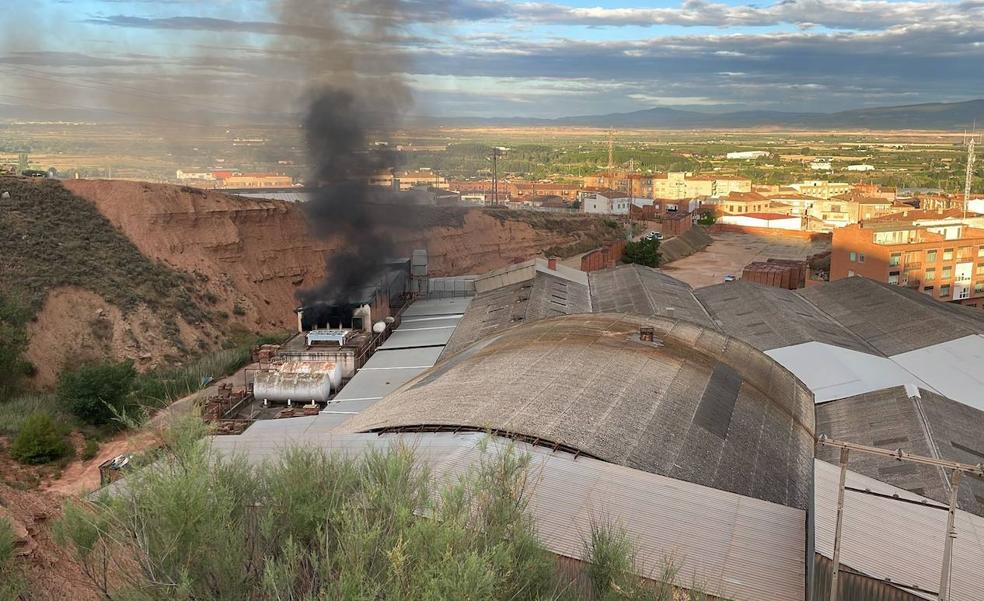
(679, 185)
(863, 167)
(426, 178)
(943, 261)
(799, 204)
(599, 201)
(821, 189)
(254, 180)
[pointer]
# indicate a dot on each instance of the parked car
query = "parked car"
(654, 236)
(729, 278)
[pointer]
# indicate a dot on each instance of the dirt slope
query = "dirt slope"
(257, 253)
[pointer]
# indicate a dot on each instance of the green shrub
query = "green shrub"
(91, 449)
(7, 543)
(707, 219)
(644, 252)
(98, 392)
(40, 440)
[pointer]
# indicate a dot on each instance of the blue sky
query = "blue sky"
(173, 59)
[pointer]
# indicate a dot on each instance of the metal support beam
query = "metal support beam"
(951, 533)
(834, 587)
(900, 455)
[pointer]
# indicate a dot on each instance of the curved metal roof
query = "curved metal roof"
(695, 404)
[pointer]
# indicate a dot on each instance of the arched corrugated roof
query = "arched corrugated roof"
(695, 404)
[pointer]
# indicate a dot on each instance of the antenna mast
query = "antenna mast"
(970, 175)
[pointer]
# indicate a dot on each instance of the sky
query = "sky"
(175, 60)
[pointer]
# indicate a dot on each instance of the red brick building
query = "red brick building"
(945, 261)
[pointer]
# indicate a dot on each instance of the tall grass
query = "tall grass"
(310, 525)
(161, 387)
(13, 412)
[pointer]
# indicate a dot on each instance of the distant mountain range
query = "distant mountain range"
(937, 115)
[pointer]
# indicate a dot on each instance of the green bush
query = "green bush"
(40, 440)
(644, 252)
(707, 219)
(90, 450)
(98, 392)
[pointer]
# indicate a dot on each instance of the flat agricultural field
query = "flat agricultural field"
(730, 252)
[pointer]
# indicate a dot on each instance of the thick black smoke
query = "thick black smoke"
(358, 97)
(337, 127)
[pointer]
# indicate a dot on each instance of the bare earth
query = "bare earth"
(730, 252)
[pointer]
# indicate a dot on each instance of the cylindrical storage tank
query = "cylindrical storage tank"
(305, 381)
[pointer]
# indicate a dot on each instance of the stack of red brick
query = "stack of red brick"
(778, 273)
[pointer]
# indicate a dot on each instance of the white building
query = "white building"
(821, 164)
(183, 176)
(604, 202)
(764, 220)
(748, 154)
(860, 168)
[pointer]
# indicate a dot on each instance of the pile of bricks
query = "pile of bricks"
(777, 273)
(312, 409)
(265, 353)
(220, 403)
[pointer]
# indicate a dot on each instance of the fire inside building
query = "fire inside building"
(333, 340)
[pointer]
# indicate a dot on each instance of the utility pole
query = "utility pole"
(496, 153)
(611, 159)
(956, 469)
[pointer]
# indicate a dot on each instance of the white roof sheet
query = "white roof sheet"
(833, 372)
(954, 369)
(738, 547)
(888, 539)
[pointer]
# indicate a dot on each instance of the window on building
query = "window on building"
(980, 269)
(978, 287)
(835, 208)
(928, 290)
(893, 278)
(944, 290)
(947, 254)
(980, 252)
(947, 272)
(895, 259)
(930, 275)
(861, 258)
(854, 257)
(930, 256)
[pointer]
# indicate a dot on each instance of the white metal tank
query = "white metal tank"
(298, 382)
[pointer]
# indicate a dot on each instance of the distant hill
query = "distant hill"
(937, 115)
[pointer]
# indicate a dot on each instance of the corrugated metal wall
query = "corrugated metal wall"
(854, 587)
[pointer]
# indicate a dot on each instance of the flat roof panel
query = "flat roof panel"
(374, 384)
(437, 306)
(833, 372)
(401, 338)
(412, 357)
(954, 369)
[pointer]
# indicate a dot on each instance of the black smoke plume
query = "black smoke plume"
(342, 204)
(360, 99)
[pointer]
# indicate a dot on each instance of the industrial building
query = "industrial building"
(690, 417)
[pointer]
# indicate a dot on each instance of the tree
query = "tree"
(644, 252)
(14, 316)
(707, 219)
(40, 440)
(98, 392)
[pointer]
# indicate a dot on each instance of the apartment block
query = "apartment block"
(944, 261)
